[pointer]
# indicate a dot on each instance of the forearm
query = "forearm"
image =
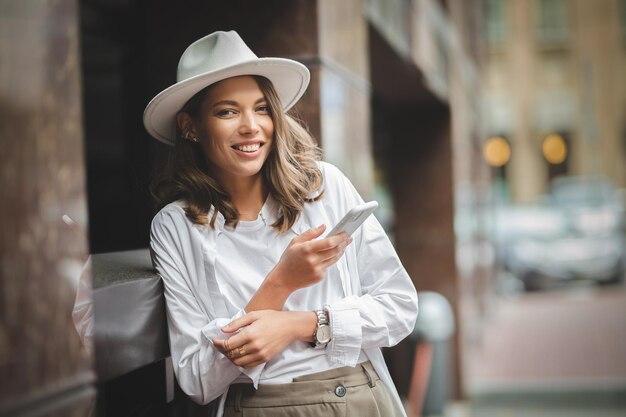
(271, 295)
(202, 371)
(303, 325)
(205, 375)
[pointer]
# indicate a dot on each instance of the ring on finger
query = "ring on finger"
(226, 346)
(242, 351)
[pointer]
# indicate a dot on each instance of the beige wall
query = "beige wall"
(576, 86)
(345, 90)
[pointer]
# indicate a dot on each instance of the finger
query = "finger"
(335, 252)
(237, 324)
(329, 262)
(237, 353)
(226, 349)
(241, 350)
(329, 242)
(236, 341)
(247, 360)
(232, 343)
(309, 234)
(219, 344)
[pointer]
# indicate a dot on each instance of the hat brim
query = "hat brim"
(290, 79)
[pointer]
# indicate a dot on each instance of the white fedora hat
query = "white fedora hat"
(213, 58)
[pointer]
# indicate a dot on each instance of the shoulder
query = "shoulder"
(331, 174)
(172, 215)
(174, 209)
(327, 168)
(337, 188)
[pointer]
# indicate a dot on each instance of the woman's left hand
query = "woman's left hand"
(264, 334)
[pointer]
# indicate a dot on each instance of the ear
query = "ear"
(186, 126)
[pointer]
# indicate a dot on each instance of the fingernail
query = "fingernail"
(226, 327)
(319, 227)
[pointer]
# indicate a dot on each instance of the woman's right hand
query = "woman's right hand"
(302, 264)
(305, 260)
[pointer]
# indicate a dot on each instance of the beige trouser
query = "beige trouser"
(345, 392)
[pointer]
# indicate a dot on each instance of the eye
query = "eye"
(264, 108)
(225, 112)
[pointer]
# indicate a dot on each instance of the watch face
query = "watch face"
(323, 334)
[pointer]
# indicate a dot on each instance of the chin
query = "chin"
(250, 171)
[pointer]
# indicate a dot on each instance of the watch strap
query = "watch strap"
(322, 320)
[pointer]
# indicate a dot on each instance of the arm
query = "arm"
(268, 330)
(198, 341)
(383, 315)
(201, 370)
(386, 311)
(303, 264)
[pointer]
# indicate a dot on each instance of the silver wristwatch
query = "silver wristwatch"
(321, 335)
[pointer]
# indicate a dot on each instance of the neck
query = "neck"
(247, 196)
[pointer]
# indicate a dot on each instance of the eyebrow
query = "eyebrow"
(234, 103)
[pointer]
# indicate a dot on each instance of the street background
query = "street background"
(491, 132)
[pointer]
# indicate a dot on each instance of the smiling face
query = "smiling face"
(234, 129)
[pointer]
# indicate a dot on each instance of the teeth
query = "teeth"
(249, 148)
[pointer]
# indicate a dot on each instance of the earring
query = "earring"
(191, 138)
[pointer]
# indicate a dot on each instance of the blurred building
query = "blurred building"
(555, 91)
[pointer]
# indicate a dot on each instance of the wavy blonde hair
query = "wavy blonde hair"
(290, 171)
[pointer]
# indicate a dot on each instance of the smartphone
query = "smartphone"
(354, 218)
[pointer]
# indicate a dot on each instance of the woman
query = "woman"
(263, 310)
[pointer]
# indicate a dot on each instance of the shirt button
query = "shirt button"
(340, 391)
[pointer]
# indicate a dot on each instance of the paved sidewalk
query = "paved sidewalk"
(550, 354)
(550, 404)
(570, 339)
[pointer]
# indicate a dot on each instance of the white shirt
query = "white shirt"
(372, 300)
(246, 254)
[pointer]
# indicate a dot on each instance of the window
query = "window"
(495, 20)
(552, 21)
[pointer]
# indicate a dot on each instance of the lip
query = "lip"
(248, 142)
(250, 155)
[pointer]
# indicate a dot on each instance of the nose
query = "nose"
(249, 124)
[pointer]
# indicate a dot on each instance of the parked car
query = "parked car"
(575, 234)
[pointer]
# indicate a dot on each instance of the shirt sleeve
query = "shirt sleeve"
(385, 311)
(202, 371)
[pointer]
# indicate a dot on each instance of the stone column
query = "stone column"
(527, 167)
(420, 173)
(45, 368)
(602, 110)
(344, 89)
(413, 140)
